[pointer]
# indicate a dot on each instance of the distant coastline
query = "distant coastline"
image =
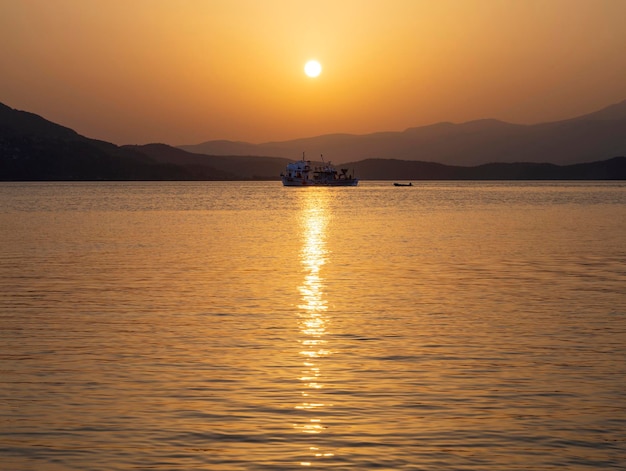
(35, 149)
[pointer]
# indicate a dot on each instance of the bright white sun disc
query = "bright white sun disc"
(312, 68)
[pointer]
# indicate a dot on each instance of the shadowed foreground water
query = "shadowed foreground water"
(229, 326)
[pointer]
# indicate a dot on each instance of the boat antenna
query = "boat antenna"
(322, 156)
(302, 156)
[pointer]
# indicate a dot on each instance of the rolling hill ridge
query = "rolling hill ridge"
(594, 136)
(35, 149)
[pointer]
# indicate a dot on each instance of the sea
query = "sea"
(247, 326)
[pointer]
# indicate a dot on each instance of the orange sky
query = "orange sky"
(187, 71)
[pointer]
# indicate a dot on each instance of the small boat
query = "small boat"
(403, 184)
(302, 173)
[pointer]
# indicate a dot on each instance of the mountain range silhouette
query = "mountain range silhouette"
(594, 136)
(587, 147)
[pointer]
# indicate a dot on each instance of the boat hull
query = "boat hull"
(302, 173)
(302, 182)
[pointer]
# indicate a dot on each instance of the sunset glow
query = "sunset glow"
(183, 73)
(312, 68)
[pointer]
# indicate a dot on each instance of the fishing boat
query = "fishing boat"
(403, 184)
(302, 173)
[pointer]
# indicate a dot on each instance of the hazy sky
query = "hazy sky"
(186, 71)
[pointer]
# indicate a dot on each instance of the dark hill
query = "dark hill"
(232, 167)
(384, 169)
(33, 148)
(23, 123)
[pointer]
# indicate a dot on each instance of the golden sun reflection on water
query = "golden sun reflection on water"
(313, 319)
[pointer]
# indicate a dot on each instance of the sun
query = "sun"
(312, 68)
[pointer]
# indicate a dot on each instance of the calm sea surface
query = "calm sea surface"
(244, 326)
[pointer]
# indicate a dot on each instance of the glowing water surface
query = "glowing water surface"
(230, 325)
